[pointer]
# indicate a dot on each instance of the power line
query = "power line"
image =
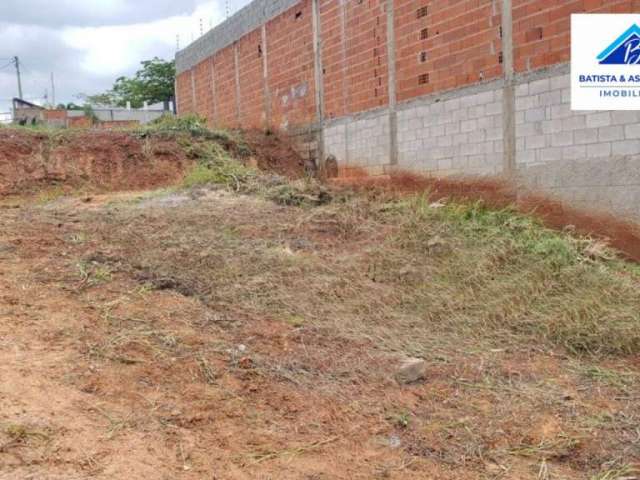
(20, 69)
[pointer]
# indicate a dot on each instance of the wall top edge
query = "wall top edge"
(231, 30)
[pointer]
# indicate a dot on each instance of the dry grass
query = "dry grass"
(401, 269)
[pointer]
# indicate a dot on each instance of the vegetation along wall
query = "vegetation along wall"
(472, 87)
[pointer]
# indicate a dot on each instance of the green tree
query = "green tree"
(153, 83)
(70, 106)
(106, 98)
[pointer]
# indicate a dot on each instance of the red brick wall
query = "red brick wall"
(461, 46)
(542, 28)
(250, 58)
(333, 19)
(291, 67)
(204, 92)
(455, 43)
(225, 78)
(184, 102)
(55, 114)
(367, 73)
(79, 122)
(355, 60)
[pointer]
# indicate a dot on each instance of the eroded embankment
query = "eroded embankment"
(624, 235)
(94, 160)
(105, 160)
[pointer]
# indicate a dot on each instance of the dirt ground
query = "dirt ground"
(115, 363)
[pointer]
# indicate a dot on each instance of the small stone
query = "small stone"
(411, 370)
(394, 441)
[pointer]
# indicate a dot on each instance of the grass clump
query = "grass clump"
(495, 278)
(92, 273)
(501, 271)
(621, 380)
(505, 229)
(215, 165)
(214, 150)
(195, 127)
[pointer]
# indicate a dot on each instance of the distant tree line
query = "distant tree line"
(153, 83)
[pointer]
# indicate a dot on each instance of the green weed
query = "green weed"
(214, 165)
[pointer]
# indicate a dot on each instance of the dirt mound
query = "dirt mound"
(496, 193)
(275, 153)
(111, 161)
(96, 159)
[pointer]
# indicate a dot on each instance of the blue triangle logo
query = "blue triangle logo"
(625, 50)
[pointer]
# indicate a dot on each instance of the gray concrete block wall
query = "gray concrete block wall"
(121, 115)
(455, 134)
(459, 133)
(362, 141)
(335, 141)
(589, 159)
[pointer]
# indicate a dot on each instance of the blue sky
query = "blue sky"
(87, 44)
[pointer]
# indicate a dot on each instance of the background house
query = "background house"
(26, 113)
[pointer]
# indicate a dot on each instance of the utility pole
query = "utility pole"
(16, 60)
(53, 91)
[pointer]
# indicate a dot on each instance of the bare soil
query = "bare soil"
(274, 152)
(31, 161)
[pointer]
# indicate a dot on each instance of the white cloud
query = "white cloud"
(113, 50)
(90, 12)
(90, 43)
